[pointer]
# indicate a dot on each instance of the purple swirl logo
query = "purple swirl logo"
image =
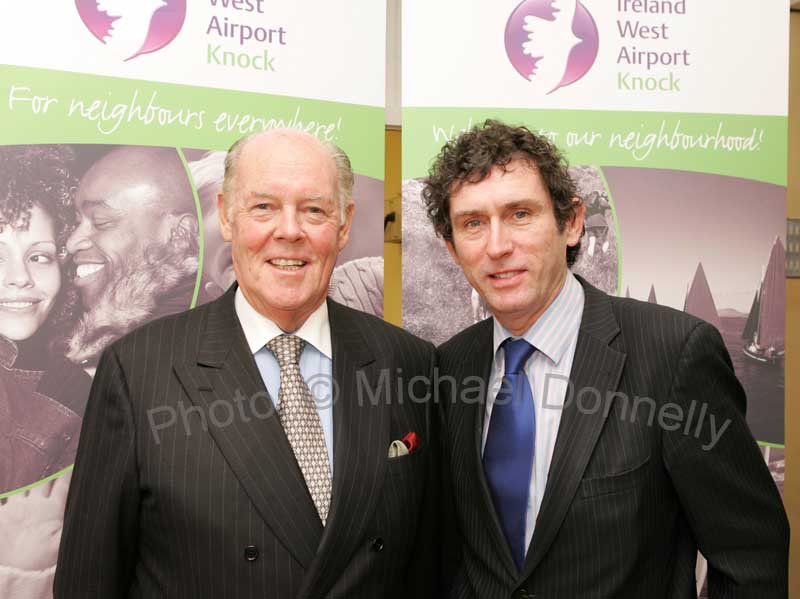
(130, 28)
(551, 43)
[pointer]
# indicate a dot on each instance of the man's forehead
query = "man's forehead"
(471, 178)
(129, 172)
(283, 166)
(511, 178)
(108, 192)
(299, 173)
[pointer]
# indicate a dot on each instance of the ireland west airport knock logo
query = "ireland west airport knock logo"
(551, 43)
(133, 27)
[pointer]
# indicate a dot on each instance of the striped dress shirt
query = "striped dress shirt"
(554, 335)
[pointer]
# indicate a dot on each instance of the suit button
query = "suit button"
(251, 553)
(377, 544)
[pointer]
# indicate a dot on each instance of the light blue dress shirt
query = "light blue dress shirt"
(316, 360)
(555, 337)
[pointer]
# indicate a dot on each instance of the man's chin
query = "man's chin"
(89, 298)
(294, 309)
(129, 299)
(508, 306)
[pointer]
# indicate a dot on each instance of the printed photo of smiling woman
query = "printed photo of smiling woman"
(42, 395)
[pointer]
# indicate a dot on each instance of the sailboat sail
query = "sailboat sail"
(699, 301)
(765, 324)
(751, 325)
(772, 315)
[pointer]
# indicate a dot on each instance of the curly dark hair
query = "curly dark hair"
(40, 175)
(470, 158)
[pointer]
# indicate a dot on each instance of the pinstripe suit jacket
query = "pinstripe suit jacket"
(186, 486)
(631, 492)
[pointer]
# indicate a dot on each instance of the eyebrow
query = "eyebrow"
(35, 243)
(262, 195)
(463, 213)
(92, 204)
(521, 203)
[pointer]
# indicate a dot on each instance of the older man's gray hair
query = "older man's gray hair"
(344, 171)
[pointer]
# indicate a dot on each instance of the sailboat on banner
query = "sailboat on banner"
(764, 332)
(699, 301)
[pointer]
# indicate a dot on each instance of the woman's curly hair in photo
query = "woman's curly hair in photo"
(40, 175)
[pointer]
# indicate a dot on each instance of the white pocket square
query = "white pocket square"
(397, 449)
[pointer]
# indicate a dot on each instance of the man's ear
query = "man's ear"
(187, 225)
(344, 228)
(574, 228)
(225, 224)
(182, 227)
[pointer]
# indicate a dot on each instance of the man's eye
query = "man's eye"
(315, 210)
(519, 214)
(472, 224)
(102, 224)
(262, 206)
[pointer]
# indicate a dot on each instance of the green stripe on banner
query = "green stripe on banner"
(771, 445)
(38, 483)
(201, 236)
(43, 106)
(751, 147)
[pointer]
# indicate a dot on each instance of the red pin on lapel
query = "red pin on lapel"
(411, 441)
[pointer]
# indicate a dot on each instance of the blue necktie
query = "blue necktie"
(510, 445)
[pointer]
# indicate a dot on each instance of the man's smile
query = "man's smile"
(287, 264)
(85, 270)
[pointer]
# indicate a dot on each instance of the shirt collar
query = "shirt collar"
(259, 330)
(553, 331)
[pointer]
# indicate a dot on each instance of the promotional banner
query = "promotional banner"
(672, 115)
(116, 118)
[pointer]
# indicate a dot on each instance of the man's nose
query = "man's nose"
(17, 274)
(79, 239)
(499, 240)
(288, 226)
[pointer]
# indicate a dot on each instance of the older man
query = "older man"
(608, 441)
(135, 249)
(267, 444)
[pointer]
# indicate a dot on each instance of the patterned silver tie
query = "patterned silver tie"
(300, 420)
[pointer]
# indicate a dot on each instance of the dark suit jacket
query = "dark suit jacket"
(631, 492)
(185, 484)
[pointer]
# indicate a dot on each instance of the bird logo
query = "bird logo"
(130, 28)
(551, 43)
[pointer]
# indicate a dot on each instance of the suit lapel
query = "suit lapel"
(478, 367)
(595, 366)
(254, 445)
(361, 441)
